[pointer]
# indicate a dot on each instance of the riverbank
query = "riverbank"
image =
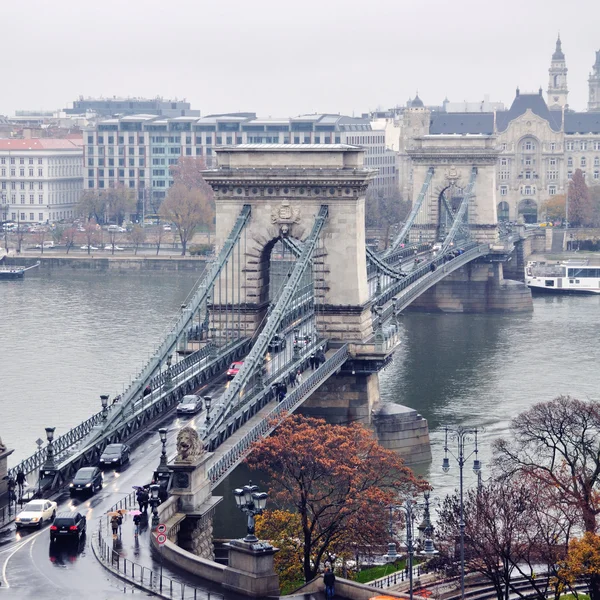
(103, 262)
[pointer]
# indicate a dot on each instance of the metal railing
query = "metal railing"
(221, 468)
(145, 577)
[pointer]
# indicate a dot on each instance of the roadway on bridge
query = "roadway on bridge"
(30, 568)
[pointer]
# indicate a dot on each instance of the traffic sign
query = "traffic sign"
(161, 538)
(161, 528)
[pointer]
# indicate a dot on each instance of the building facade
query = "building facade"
(137, 151)
(108, 107)
(541, 143)
(41, 180)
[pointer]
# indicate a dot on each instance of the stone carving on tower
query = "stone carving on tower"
(557, 81)
(189, 446)
(594, 82)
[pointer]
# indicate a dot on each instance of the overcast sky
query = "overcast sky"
(282, 58)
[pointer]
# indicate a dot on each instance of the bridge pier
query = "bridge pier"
(478, 287)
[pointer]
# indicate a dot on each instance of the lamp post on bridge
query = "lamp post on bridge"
(462, 436)
(48, 470)
(207, 403)
(168, 384)
(162, 432)
(154, 501)
(104, 401)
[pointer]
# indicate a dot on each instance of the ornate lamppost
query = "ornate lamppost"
(251, 502)
(168, 384)
(154, 501)
(462, 436)
(410, 507)
(207, 403)
(104, 400)
(49, 464)
(162, 432)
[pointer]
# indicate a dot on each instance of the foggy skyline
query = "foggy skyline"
(282, 59)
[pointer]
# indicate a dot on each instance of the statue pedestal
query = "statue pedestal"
(4, 454)
(190, 483)
(250, 571)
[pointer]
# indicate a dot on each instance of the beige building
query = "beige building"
(541, 142)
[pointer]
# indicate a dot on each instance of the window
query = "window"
(583, 145)
(527, 190)
(596, 145)
(41, 216)
(596, 175)
(583, 161)
(552, 190)
(528, 175)
(31, 217)
(502, 146)
(528, 162)
(552, 146)
(41, 199)
(597, 161)
(101, 139)
(552, 175)
(90, 172)
(132, 162)
(121, 162)
(100, 162)
(504, 190)
(528, 146)
(209, 139)
(31, 199)
(552, 162)
(21, 161)
(142, 162)
(504, 161)
(22, 198)
(131, 172)
(570, 146)
(570, 161)
(141, 151)
(121, 139)
(90, 162)
(12, 172)
(111, 139)
(21, 172)
(111, 162)
(121, 172)
(570, 174)
(22, 185)
(111, 172)
(219, 140)
(91, 183)
(131, 140)
(40, 186)
(40, 172)
(142, 173)
(100, 172)
(31, 185)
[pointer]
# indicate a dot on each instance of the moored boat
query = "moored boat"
(14, 272)
(566, 277)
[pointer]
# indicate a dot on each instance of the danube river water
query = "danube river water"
(67, 336)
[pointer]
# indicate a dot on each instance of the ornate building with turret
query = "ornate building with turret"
(541, 143)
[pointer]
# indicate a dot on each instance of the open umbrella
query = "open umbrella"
(122, 511)
(135, 512)
(114, 513)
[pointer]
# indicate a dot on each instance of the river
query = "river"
(68, 336)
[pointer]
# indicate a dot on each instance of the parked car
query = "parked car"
(68, 525)
(115, 455)
(49, 244)
(234, 369)
(277, 344)
(116, 229)
(87, 479)
(189, 405)
(36, 513)
(109, 247)
(166, 228)
(90, 248)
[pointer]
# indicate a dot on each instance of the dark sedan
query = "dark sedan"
(277, 344)
(115, 455)
(68, 525)
(86, 480)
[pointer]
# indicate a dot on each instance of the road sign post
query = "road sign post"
(161, 538)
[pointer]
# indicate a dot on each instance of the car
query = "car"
(189, 405)
(90, 248)
(116, 229)
(36, 513)
(87, 479)
(234, 369)
(115, 455)
(166, 228)
(68, 525)
(277, 344)
(46, 245)
(110, 248)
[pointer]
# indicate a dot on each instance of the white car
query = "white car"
(36, 513)
(166, 228)
(91, 248)
(109, 247)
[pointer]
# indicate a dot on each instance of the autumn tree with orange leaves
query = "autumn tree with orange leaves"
(338, 479)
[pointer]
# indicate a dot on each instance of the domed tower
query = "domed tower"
(594, 81)
(557, 83)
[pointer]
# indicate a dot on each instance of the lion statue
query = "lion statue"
(189, 445)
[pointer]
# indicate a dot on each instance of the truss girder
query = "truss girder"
(413, 213)
(254, 359)
(461, 213)
(186, 317)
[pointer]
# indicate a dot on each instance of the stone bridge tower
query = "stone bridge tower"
(286, 185)
(453, 158)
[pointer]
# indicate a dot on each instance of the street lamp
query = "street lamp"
(410, 506)
(162, 432)
(251, 502)
(168, 384)
(49, 464)
(207, 403)
(104, 400)
(154, 502)
(462, 436)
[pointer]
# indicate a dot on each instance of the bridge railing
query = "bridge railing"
(221, 468)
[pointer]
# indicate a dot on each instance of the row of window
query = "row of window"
(111, 151)
(552, 189)
(63, 214)
(102, 183)
(3, 161)
(111, 172)
(22, 184)
(571, 146)
(110, 162)
(583, 161)
(583, 145)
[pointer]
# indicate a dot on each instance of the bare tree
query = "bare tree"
(186, 208)
(69, 235)
(40, 238)
(137, 237)
(159, 237)
(91, 234)
(92, 205)
(119, 201)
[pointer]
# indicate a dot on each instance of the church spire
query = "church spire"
(557, 80)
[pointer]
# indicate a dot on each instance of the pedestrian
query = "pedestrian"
(298, 377)
(137, 519)
(312, 361)
(114, 524)
(281, 390)
(432, 267)
(329, 581)
(20, 482)
(320, 357)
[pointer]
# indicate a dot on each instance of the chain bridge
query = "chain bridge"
(293, 280)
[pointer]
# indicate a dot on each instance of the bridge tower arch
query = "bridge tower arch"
(453, 159)
(285, 186)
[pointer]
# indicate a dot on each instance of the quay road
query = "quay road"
(31, 568)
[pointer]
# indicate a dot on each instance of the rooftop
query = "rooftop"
(41, 144)
(289, 147)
